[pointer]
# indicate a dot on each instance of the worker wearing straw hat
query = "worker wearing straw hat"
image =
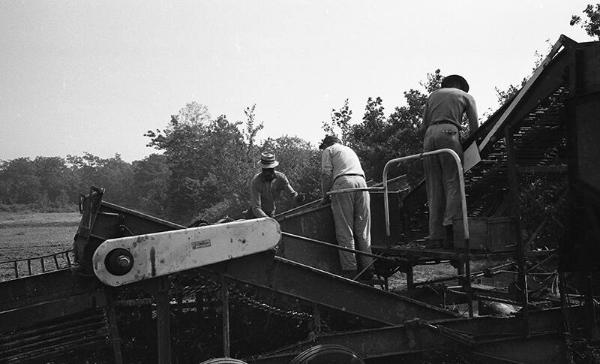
(267, 186)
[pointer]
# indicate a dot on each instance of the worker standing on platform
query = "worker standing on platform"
(442, 119)
(266, 187)
(340, 170)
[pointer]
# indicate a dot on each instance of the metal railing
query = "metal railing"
(463, 200)
(17, 268)
(463, 204)
(374, 188)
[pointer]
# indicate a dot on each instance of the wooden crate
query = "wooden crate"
(491, 234)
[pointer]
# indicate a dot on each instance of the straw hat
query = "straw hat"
(267, 160)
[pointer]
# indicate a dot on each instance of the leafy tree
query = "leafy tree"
(193, 113)
(150, 180)
(369, 138)
(112, 174)
(340, 120)
(377, 138)
(19, 181)
(57, 182)
(227, 173)
(208, 164)
(592, 24)
(250, 132)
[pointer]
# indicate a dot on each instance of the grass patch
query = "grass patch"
(26, 219)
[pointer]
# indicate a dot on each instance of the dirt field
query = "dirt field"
(29, 235)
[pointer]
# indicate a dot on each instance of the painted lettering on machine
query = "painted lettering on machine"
(201, 244)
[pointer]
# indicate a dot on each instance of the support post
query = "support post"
(410, 278)
(316, 319)
(592, 328)
(515, 212)
(113, 329)
(225, 302)
(163, 320)
(465, 267)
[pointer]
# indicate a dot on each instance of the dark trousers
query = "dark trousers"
(441, 178)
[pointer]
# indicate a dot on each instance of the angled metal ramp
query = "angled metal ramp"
(317, 286)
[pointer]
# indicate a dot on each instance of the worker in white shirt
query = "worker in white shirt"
(341, 169)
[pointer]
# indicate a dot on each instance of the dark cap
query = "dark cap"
(455, 81)
(328, 140)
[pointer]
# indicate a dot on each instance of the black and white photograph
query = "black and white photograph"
(299, 182)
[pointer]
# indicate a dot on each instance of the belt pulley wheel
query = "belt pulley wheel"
(119, 261)
(223, 361)
(327, 354)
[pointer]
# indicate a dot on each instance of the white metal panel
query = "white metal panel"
(174, 251)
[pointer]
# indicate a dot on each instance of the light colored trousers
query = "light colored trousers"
(441, 178)
(352, 218)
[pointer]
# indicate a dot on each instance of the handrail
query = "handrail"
(375, 187)
(287, 213)
(57, 266)
(463, 203)
(354, 189)
(421, 155)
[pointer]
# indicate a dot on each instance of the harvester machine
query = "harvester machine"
(146, 290)
(519, 285)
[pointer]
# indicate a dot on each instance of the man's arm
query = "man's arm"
(288, 187)
(255, 202)
(326, 183)
(426, 120)
(472, 114)
(326, 174)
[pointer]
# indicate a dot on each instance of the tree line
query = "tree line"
(203, 164)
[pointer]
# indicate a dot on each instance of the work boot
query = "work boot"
(367, 277)
(449, 240)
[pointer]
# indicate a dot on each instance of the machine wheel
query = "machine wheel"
(327, 354)
(223, 361)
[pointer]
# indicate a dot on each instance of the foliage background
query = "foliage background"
(203, 164)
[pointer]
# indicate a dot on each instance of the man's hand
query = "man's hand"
(300, 198)
(325, 200)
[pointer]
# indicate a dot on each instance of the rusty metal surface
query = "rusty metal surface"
(45, 287)
(316, 222)
(484, 337)
(313, 285)
(43, 342)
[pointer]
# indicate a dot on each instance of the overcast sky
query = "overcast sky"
(93, 76)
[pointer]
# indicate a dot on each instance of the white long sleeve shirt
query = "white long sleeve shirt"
(338, 160)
